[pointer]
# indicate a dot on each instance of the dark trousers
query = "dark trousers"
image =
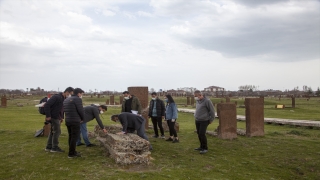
(201, 131)
(74, 133)
(53, 138)
(172, 130)
(157, 121)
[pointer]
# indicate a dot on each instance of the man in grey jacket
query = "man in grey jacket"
(91, 112)
(204, 116)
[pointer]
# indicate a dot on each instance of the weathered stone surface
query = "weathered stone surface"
(141, 92)
(124, 149)
(121, 99)
(107, 101)
(227, 114)
(166, 127)
(3, 101)
(254, 116)
(112, 100)
(192, 100)
(293, 102)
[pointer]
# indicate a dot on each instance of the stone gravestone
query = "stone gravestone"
(192, 101)
(254, 116)
(98, 95)
(107, 102)
(188, 100)
(112, 100)
(124, 149)
(227, 114)
(293, 100)
(141, 92)
(3, 101)
(121, 99)
(227, 99)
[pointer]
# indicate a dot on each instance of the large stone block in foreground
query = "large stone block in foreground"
(124, 149)
(227, 114)
(254, 117)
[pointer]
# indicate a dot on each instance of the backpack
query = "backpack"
(41, 109)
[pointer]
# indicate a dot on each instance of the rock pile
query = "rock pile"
(124, 149)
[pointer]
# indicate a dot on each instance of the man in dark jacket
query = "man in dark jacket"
(91, 112)
(54, 115)
(130, 102)
(74, 112)
(156, 113)
(130, 123)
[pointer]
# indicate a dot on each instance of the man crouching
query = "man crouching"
(130, 123)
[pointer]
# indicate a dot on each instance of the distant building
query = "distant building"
(214, 91)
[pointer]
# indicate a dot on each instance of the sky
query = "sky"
(163, 44)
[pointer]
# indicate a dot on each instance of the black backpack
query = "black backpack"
(41, 109)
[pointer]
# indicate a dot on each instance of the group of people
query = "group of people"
(69, 105)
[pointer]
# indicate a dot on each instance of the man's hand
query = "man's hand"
(105, 131)
(48, 118)
(120, 133)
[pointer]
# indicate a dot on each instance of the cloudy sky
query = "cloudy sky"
(162, 44)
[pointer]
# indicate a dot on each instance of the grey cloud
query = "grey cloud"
(255, 3)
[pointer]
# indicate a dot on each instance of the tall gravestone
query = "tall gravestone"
(254, 116)
(227, 114)
(293, 101)
(107, 102)
(188, 100)
(141, 92)
(4, 101)
(121, 99)
(192, 101)
(112, 100)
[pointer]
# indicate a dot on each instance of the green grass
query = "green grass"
(285, 152)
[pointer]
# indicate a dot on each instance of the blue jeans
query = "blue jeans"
(84, 133)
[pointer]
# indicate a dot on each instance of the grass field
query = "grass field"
(284, 152)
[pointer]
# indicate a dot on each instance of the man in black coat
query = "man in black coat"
(54, 115)
(156, 113)
(130, 123)
(74, 113)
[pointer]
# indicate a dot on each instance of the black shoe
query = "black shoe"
(57, 150)
(80, 144)
(203, 151)
(175, 141)
(169, 139)
(75, 155)
(91, 145)
(198, 149)
(155, 136)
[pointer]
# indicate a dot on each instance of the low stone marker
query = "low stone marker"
(124, 149)
(227, 114)
(254, 116)
(107, 102)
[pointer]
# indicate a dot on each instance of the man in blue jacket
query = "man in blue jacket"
(54, 115)
(74, 113)
(91, 112)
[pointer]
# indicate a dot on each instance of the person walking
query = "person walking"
(204, 115)
(130, 123)
(130, 102)
(53, 109)
(171, 117)
(74, 113)
(91, 112)
(156, 113)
